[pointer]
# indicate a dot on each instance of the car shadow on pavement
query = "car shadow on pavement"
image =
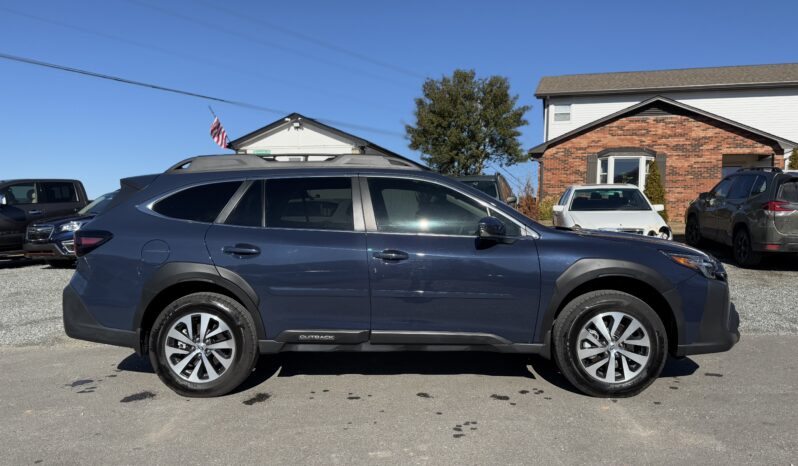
(423, 363)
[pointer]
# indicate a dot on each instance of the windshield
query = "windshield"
(609, 199)
(98, 205)
(487, 187)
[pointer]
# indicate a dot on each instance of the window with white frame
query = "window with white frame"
(562, 112)
(624, 168)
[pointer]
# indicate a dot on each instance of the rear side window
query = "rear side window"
(310, 203)
(741, 187)
(55, 192)
(200, 203)
(788, 191)
(760, 185)
(249, 211)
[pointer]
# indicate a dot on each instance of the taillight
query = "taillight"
(87, 241)
(777, 206)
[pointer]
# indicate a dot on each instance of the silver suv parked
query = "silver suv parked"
(754, 210)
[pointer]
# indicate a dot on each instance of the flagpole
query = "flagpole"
(211, 109)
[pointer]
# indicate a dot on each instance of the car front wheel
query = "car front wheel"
(203, 345)
(609, 344)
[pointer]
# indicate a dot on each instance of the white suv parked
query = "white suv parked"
(610, 207)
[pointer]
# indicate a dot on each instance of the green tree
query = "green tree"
(464, 122)
(793, 160)
(654, 191)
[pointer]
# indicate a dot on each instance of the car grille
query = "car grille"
(39, 233)
(636, 231)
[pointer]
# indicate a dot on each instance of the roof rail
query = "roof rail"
(234, 162)
(764, 169)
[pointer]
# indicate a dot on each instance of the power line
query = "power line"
(215, 27)
(158, 87)
(307, 38)
(229, 66)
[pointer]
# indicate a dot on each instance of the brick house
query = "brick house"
(698, 125)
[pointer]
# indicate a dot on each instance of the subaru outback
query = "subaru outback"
(223, 258)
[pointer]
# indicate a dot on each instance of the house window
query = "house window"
(562, 112)
(623, 169)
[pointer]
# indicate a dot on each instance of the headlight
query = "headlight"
(708, 267)
(71, 226)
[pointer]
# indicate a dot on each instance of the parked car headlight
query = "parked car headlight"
(706, 265)
(71, 226)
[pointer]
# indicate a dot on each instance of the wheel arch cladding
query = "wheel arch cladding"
(644, 283)
(175, 280)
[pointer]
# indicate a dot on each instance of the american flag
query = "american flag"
(218, 133)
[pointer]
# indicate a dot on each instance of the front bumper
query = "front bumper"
(54, 250)
(719, 327)
(80, 324)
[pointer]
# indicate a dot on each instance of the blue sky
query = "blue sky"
(54, 124)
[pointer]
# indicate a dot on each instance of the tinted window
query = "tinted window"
(788, 191)
(311, 203)
(23, 193)
(722, 188)
(410, 206)
(98, 205)
(487, 187)
(760, 185)
(249, 211)
(741, 187)
(200, 203)
(608, 199)
(53, 192)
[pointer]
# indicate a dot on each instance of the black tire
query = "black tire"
(583, 308)
(245, 339)
(692, 231)
(742, 250)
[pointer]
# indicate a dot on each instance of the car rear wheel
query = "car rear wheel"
(609, 344)
(203, 345)
(743, 251)
(692, 231)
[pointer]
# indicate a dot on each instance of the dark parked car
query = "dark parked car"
(223, 258)
(26, 201)
(755, 211)
(54, 240)
(493, 185)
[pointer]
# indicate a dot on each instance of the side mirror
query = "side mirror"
(703, 196)
(658, 207)
(511, 200)
(558, 208)
(3, 200)
(491, 228)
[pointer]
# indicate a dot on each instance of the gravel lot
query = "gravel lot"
(30, 300)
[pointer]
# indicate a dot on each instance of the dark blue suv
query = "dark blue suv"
(223, 258)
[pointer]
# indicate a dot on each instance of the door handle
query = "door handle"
(241, 250)
(391, 255)
(35, 212)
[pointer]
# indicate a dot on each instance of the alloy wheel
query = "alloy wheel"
(613, 347)
(742, 247)
(199, 347)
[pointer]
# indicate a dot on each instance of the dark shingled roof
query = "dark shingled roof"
(753, 76)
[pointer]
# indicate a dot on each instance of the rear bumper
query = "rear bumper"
(719, 329)
(81, 325)
(56, 250)
(786, 244)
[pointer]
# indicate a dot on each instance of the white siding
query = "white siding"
(307, 139)
(771, 110)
